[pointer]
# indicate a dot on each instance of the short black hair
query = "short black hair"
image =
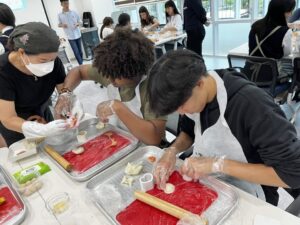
(64, 0)
(124, 54)
(7, 16)
(123, 20)
(172, 79)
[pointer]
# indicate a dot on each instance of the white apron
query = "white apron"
(218, 140)
(134, 104)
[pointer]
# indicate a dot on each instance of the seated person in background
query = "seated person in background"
(174, 19)
(270, 37)
(29, 73)
(7, 25)
(235, 127)
(148, 23)
(107, 27)
(121, 63)
(123, 20)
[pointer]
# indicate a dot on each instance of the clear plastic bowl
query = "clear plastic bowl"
(58, 203)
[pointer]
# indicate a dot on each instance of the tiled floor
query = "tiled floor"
(90, 94)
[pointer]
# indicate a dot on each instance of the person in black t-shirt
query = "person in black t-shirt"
(29, 73)
(235, 127)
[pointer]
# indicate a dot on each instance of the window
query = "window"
(124, 2)
(15, 4)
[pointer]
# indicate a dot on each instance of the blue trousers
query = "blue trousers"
(76, 47)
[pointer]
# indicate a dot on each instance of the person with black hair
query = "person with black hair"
(271, 37)
(123, 20)
(70, 21)
(121, 64)
(106, 28)
(7, 25)
(236, 128)
(173, 18)
(194, 19)
(148, 23)
(29, 73)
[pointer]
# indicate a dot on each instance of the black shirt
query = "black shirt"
(259, 125)
(30, 94)
(194, 15)
(272, 47)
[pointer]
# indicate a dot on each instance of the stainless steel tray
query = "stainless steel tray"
(122, 196)
(6, 181)
(90, 127)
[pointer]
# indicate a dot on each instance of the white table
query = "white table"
(85, 212)
(240, 50)
(174, 39)
(243, 50)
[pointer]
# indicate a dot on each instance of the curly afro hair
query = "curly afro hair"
(125, 53)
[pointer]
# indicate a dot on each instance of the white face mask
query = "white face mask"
(39, 69)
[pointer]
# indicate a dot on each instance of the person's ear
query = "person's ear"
(200, 83)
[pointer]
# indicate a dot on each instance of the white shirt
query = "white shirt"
(2, 49)
(71, 18)
(174, 21)
(106, 31)
(287, 43)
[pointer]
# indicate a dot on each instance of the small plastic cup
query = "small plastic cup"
(58, 203)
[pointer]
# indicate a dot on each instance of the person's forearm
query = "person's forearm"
(255, 173)
(182, 142)
(145, 131)
(13, 123)
(74, 78)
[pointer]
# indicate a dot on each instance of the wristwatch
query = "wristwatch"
(65, 90)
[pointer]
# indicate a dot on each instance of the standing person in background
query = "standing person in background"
(7, 25)
(107, 27)
(148, 23)
(194, 18)
(70, 21)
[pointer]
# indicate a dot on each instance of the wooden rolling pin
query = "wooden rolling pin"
(58, 158)
(164, 206)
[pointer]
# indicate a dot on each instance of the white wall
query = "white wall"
(101, 9)
(32, 12)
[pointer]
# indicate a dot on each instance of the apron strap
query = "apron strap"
(259, 43)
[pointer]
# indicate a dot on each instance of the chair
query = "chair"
(294, 207)
(262, 71)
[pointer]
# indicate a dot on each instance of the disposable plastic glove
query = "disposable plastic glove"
(196, 167)
(164, 167)
(36, 130)
(68, 106)
(192, 219)
(77, 112)
(105, 110)
(63, 105)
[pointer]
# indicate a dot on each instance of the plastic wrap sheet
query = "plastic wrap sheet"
(96, 150)
(11, 207)
(192, 196)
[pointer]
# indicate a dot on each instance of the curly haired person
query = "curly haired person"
(121, 64)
